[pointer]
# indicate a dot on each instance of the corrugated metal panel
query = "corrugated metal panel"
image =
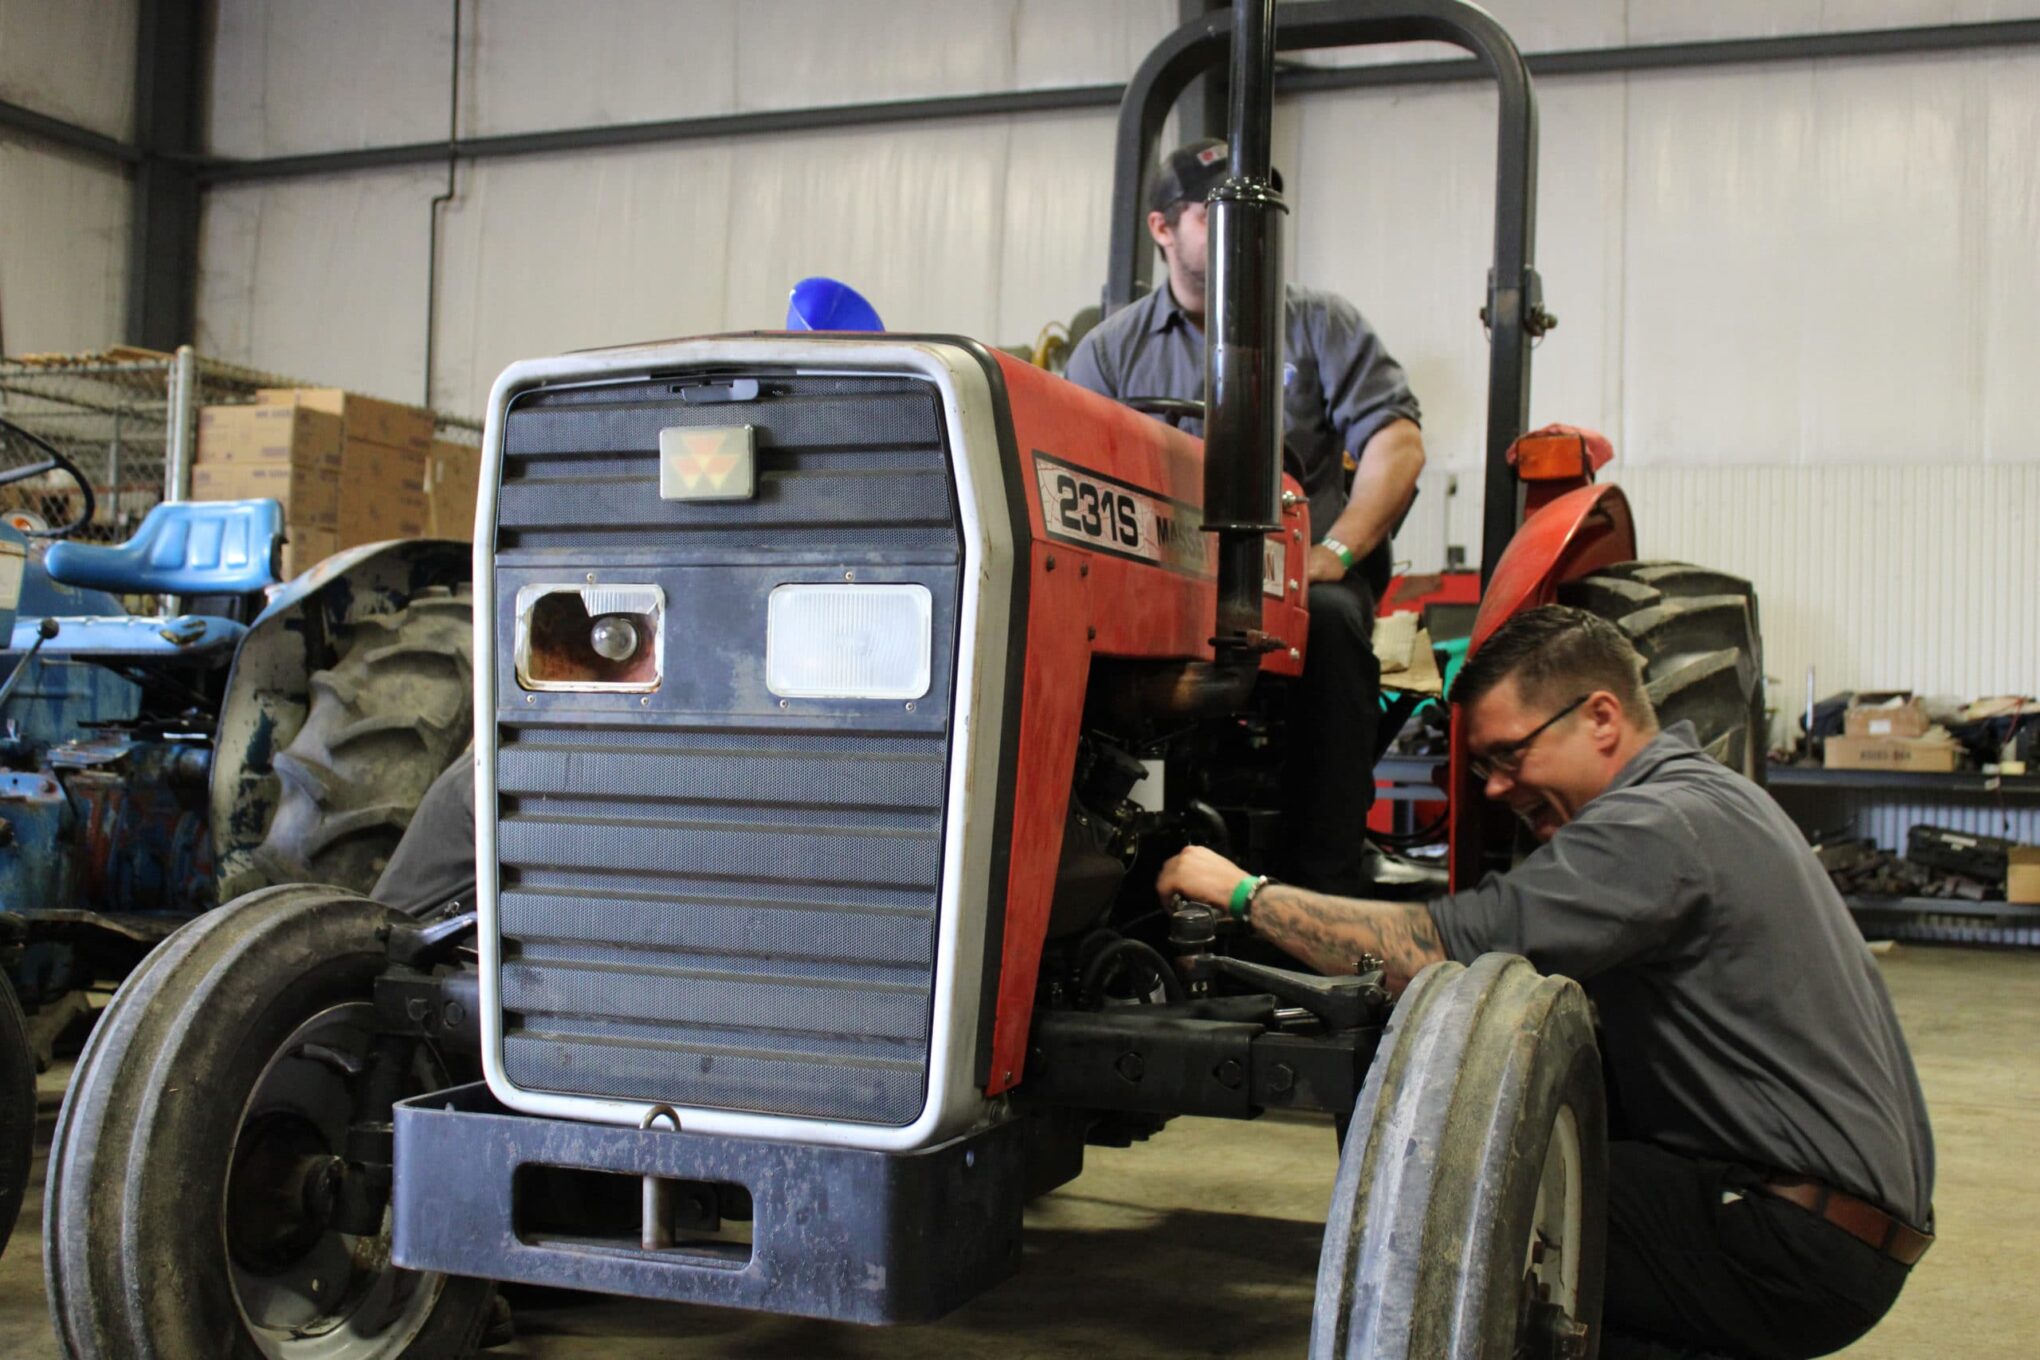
(658, 216)
(303, 75)
(1888, 823)
(74, 62)
(63, 249)
(1886, 820)
(1741, 275)
(982, 229)
(1877, 577)
(1899, 577)
(326, 277)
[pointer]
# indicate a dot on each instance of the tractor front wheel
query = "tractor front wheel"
(212, 1189)
(1469, 1215)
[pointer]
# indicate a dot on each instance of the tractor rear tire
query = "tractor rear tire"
(1469, 1217)
(1702, 645)
(225, 1066)
(384, 721)
(17, 1109)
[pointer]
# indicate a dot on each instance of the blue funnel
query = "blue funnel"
(820, 304)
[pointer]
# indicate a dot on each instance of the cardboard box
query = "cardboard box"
(267, 434)
(375, 468)
(2022, 874)
(363, 418)
(392, 513)
(1893, 713)
(452, 476)
(383, 493)
(306, 548)
(1935, 753)
(308, 492)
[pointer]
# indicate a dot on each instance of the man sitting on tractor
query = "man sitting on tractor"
(1771, 1166)
(1344, 399)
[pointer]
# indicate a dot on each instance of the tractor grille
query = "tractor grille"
(707, 897)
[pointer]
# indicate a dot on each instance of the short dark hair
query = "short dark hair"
(1556, 653)
(1172, 213)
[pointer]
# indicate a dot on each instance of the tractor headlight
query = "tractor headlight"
(849, 641)
(590, 638)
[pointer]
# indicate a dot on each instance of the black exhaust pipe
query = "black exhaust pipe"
(1243, 345)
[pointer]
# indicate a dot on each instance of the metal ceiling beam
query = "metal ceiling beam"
(1293, 80)
(1202, 110)
(17, 118)
(1881, 42)
(718, 127)
(162, 267)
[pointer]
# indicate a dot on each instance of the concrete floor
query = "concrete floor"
(1204, 1242)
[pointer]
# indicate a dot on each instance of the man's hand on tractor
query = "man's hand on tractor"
(1324, 565)
(1202, 876)
(1331, 934)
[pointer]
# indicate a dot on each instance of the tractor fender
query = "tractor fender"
(269, 687)
(1578, 533)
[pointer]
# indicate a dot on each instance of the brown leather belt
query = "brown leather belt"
(1864, 1222)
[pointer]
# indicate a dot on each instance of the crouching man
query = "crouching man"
(1771, 1167)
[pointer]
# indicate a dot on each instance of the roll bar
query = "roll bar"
(1514, 312)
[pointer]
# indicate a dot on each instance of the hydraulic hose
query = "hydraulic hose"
(1108, 958)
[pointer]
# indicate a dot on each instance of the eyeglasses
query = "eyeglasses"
(1508, 757)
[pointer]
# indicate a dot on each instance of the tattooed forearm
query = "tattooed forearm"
(1331, 933)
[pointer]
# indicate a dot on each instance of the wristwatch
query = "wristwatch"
(1339, 550)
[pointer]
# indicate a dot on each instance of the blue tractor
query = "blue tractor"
(153, 766)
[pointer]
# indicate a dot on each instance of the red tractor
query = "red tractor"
(836, 697)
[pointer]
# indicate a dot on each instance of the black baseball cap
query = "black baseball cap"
(1190, 172)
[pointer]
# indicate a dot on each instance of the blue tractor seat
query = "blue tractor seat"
(181, 548)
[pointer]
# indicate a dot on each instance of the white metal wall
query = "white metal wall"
(1798, 296)
(1876, 576)
(63, 216)
(985, 228)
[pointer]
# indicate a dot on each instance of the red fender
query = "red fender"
(1577, 534)
(1580, 532)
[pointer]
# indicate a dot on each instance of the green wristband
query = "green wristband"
(1339, 550)
(1243, 893)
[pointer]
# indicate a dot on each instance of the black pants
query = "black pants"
(1330, 762)
(1702, 1262)
(435, 861)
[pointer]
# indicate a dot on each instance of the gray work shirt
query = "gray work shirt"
(1340, 386)
(1742, 1016)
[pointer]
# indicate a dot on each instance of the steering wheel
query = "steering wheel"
(1173, 408)
(53, 461)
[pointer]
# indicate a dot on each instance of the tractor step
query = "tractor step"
(839, 1233)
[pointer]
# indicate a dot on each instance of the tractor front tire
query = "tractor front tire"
(1469, 1217)
(1702, 646)
(199, 1155)
(17, 1108)
(384, 721)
